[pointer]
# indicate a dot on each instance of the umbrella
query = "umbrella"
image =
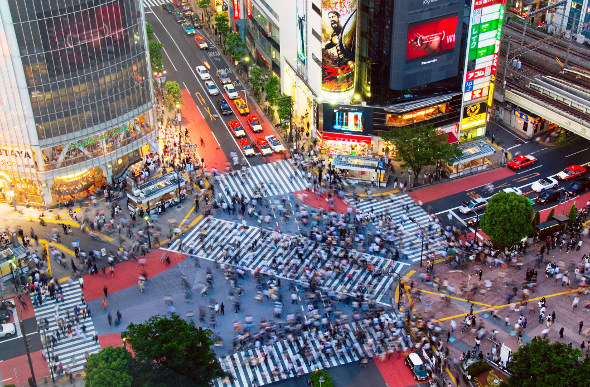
(123, 220)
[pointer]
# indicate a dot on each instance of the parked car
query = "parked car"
(7, 330)
(544, 184)
(203, 73)
(211, 88)
(224, 107)
(274, 143)
(548, 196)
(246, 147)
(476, 204)
(231, 91)
(417, 366)
(263, 147)
(522, 161)
(578, 186)
(223, 77)
(5, 316)
(571, 172)
(254, 124)
(201, 43)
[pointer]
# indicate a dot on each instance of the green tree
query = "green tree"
(550, 216)
(174, 94)
(256, 80)
(203, 3)
(537, 218)
(573, 214)
(508, 219)
(150, 31)
(110, 367)
(156, 56)
(545, 363)
(421, 146)
(175, 351)
(284, 106)
(222, 24)
(235, 46)
(272, 88)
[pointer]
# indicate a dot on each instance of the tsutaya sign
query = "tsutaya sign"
(11, 158)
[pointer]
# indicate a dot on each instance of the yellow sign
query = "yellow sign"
(491, 95)
(473, 110)
(470, 122)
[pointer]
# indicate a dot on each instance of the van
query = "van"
(416, 364)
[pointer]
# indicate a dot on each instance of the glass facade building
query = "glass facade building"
(76, 98)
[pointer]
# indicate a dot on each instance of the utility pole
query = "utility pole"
(32, 380)
(506, 63)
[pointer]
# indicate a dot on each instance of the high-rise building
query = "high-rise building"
(76, 97)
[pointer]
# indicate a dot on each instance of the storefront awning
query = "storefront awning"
(451, 138)
(328, 136)
(473, 151)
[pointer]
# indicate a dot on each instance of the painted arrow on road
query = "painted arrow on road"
(200, 98)
(211, 116)
(527, 177)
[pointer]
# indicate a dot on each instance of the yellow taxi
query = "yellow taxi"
(242, 107)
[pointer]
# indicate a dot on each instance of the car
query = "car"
(417, 366)
(578, 186)
(263, 147)
(231, 91)
(246, 147)
(571, 172)
(548, 196)
(274, 143)
(236, 129)
(201, 43)
(7, 330)
(515, 190)
(254, 123)
(4, 316)
(522, 161)
(543, 184)
(188, 28)
(168, 7)
(179, 17)
(187, 9)
(203, 73)
(224, 107)
(223, 77)
(476, 204)
(211, 88)
(242, 107)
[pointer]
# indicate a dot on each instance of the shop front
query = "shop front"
(473, 123)
(527, 124)
(77, 185)
(346, 129)
(474, 158)
(361, 169)
(342, 144)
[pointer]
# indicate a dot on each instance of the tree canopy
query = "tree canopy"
(174, 94)
(110, 367)
(545, 363)
(156, 56)
(174, 351)
(421, 146)
(256, 80)
(222, 24)
(508, 218)
(203, 3)
(235, 46)
(284, 105)
(149, 31)
(272, 88)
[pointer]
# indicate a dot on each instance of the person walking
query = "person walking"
(105, 290)
(81, 282)
(222, 309)
(561, 333)
(580, 326)
(110, 319)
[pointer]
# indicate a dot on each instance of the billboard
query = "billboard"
(347, 120)
(338, 45)
(425, 43)
(236, 9)
(301, 30)
(431, 38)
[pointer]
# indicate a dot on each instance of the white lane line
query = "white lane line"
(170, 59)
(528, 170)
(575, 153)
(458, 217)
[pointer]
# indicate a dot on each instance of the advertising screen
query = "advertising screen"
(352, 120)
(338, 45)
(301, 31)
(431, 38)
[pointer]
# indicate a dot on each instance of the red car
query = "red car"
(254, 124)
(263, 147)
(522, 161)
(236, 129)
(571, 172)
(246, 147)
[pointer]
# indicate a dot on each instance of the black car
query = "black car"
(578, 186)
(224, 107)
(179, 18)
(168, 7)
(548, 196)
(4, 316)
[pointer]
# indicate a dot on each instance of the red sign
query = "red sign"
(236, 9)
(495, 63)
(328, 136)
(249, 8)
(475, 94)
(475, 74)
(485, 3)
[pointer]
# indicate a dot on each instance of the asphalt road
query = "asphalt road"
(14, 346)
(181, 56)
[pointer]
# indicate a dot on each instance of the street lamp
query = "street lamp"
(147, 231)
(421, 238)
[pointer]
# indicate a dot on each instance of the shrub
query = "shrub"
(477, 368)
(315, 379)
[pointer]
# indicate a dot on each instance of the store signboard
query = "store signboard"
(248, 8)
(476, 120)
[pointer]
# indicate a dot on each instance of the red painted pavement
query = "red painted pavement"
(395, 372)
(113, 340)
(16, 370)
(127, 273)
(564, 208)
(321, 201)
(198, 127)
(459, 185)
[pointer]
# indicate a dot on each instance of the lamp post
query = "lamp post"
(147, 231)
(421, 238)
(179, 120)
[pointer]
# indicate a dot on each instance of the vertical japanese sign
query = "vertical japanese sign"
(236, 9)
(248, 8)
(338, 45)
(302, 30)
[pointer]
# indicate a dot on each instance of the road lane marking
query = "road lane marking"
(200, 98)
(528, 170)
(527, 177)
(458, 217)
(575, 153)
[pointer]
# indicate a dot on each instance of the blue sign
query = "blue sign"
(469, 86)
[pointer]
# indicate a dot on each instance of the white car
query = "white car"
(203, 73)
(231, 91)
(7, 330)
(544, 184)
(473, 205)
(211, 88)
(515, 190)
(274, 143)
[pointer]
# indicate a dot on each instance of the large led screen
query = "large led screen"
(338, 45)
(347, 120)
(431, 38)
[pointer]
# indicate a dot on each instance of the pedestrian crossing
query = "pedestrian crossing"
(402, 209)
(270, 179)
(154, 3)
(69, 350)
(301, 354)
(226, 242)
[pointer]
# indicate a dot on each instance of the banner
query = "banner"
(236, 9)
(338, 45)
(248, 8)
(301, 31)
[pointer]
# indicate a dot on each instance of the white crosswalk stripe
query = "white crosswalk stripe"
(70, 350)
(154, 3)
(401, 208)
(220, 244)
(275, 179)
(282, 358)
